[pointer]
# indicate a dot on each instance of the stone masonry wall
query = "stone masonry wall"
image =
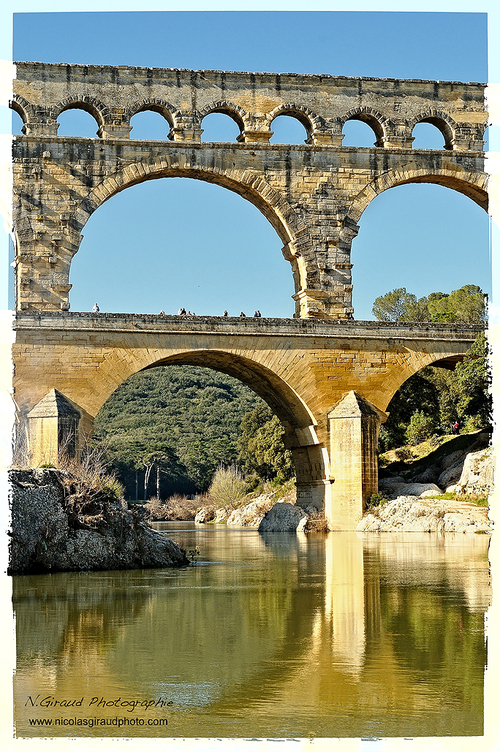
(313, 194)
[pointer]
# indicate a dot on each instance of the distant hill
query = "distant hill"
(189, 416)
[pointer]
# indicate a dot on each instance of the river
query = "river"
(265, 635)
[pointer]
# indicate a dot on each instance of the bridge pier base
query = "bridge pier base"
(312, 494)
(353, 425)
(56, 426)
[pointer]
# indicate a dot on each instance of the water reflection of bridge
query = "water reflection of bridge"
(344, 635)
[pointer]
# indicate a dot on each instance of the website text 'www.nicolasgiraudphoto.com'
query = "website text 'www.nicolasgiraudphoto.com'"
(128, 706)
(95, 722)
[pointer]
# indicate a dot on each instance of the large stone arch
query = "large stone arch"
(310, 460)
(415, 362)
(470, 184)
(297, 244)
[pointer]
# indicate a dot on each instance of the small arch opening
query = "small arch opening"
(359, 132)
(289, 129)
(17, 124)
(76, 121)
(219, 127)
(149, 125)
(428, 136)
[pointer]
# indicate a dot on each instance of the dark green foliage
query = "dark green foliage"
(420, 427)
(419, 393)
(399, 305)
(435, 398)
(261, 449)
(444, 397)
(465, 305)
(471, 386)
(181, 422)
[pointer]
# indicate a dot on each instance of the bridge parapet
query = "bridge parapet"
(323, 103)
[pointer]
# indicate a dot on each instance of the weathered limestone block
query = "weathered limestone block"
(478, 471)
(46, 538)
(282, 518)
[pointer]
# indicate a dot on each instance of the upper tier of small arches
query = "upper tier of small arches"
(187, 125)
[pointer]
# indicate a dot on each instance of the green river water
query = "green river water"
(266, 635)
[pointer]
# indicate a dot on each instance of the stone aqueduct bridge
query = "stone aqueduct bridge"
(329, 382)
(328, 378)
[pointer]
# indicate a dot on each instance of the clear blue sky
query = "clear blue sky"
(181, 242)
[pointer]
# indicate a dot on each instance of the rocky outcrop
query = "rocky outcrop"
(477, 473)
(206, 514)
(48, 536)
(444, 466)
(221, 516)
(466, 470)
(283, 518)
(210, 514)
(410, 514)
(251, 514)
(391, 488)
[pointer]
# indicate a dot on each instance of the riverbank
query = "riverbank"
(412, 514)
(51, 534)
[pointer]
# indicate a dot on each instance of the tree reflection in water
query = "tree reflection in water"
(274, 635)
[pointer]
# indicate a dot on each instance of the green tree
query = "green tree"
(420, 427)
(465, 305)
(443, 396)
(471, 387)
(194, 413)
(418, 393)
(261, 448)
(400, 305)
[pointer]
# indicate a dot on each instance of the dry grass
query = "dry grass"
(89, 488)
(228, 488)
(177, 507)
